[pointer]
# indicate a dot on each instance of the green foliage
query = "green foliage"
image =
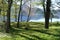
(37, 3)
(3, 13)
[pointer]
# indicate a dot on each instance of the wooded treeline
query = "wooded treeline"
(7, 5)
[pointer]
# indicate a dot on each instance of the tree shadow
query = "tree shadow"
(56, 24)
(34, 36)
(31, 37)
(17, 32)
(24, 36)
(45, 32)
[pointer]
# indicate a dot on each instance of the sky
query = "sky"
(53, 2)
(54, 19)
(56, 8)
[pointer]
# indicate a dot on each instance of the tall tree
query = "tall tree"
(44, 7)
(19, 13)
(47, 14)
(15, 11)
(28, 18)
(0, 10)
(8, 15)
(3, 11)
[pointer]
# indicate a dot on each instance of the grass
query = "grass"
(34, 31)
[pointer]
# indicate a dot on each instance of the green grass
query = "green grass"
(34, 31)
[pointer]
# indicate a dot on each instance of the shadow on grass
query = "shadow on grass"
(31, 36)
(34, 36)
(24, 36)
(41, 31)
(45, 32)
(56, 24)
(17, 32)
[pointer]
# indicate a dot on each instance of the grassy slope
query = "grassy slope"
(35, 31)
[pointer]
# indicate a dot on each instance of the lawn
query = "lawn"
(32, 31)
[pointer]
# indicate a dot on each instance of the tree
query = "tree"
(0, 11)
(3, 13)
(19, 13)
(28, 18)
(15, 5)
(52, 14)
(47, 13)
(43, 4)
(8, 15)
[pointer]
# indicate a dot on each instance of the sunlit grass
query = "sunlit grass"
(35, 31)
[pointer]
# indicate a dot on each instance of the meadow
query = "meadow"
(32, 31)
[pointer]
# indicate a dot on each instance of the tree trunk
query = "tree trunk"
(15, 12)
(3, 12)
(28, 18)
(15, 17)
(19, 13)
(0, 11)
(44, 7)
(21, 16)
(4, 18)
(8, 15)
(47, 14)
(51, 18)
